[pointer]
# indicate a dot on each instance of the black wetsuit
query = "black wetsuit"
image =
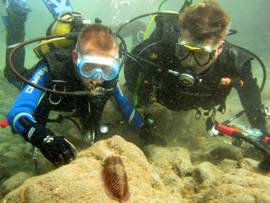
(62, 77)
(56, 71)
(233, 63)
(15, 34)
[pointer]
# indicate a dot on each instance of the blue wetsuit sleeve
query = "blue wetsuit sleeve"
(57, 7)
(126, 109)
(28, 100)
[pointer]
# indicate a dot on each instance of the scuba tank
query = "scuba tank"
(66, 23)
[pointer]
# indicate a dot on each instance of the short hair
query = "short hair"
(101, 37)
(206, 20)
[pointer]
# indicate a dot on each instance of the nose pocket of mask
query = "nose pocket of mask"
(97, 74)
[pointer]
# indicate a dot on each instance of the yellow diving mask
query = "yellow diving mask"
(202, 55)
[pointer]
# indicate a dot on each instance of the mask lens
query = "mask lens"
(202, 57)
(99, 72)
(181, 52)
(87, 68)
(110, 72)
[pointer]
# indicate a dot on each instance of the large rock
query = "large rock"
(16, 162)
(207, 172)
(172, 165)
(229, 181)
(171, 177)
(235, 185)
(81, 180)
(239, 185)
(14, 181)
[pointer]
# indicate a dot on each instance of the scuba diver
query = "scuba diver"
(186, 64)
(17, 11)
(86, 66)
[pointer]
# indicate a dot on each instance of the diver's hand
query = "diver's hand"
(149, 137)
(57, 149)
(146, 133)
(264, 164)
(210, 126)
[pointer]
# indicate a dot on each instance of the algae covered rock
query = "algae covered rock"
(236, 185)
(176, 158)
(239, 185)
(14, 181)
(173, 164)
(229, 181)
(207, 171)
(169, 177)
(81, 180)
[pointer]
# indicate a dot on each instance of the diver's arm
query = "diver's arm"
(27, 101)
(57, 7)
(126, 109)
(57, 149)
(250, 97)
(17, 11)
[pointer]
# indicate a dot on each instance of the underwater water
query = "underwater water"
(250, 18)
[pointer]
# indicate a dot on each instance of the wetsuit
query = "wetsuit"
(35, 105)
(17, 14)
(145, 80)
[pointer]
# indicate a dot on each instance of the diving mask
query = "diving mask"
(201, 55)
(97, 67)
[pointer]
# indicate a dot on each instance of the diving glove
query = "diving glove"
(57, 149)
(264, 165)
(147, 133)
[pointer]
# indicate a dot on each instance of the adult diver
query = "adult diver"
(187, 64)
(79, 75)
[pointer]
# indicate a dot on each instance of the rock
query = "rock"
(228, 193)
(228, 165)
(172, 164)
(3, 173)
(207, 172)
(207, 182)
(249, 164)
(228, 152)
(80, 181)
(14, 181)
(175, 158)
(240, 186)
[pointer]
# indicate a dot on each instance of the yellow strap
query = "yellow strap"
(149, 26)
(192, 48)
(43, 47)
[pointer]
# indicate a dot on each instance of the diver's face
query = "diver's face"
(95, 66)
(198, 57)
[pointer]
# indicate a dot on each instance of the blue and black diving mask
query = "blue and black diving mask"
(97, 68)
